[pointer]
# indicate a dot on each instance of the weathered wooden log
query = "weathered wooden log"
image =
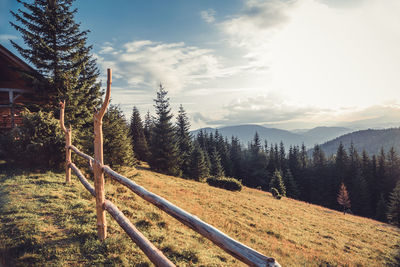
(231, 246)
(155, 255)
(98, 162)
(83, 155)
(83, 180)
(68, 140)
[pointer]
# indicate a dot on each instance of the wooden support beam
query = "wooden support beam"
(155, 255)
(12, 110)
(68, 140)
(98, 162)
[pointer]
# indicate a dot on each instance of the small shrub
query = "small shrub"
(225, 183)
(38, 142)
(275, 193)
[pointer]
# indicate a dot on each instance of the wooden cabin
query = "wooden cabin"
(14, 91)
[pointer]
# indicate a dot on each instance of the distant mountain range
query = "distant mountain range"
(370, 140)
(309, 137)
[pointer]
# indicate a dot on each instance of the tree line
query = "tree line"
(372, 182)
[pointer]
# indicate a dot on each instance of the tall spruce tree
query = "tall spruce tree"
(393, 209)
(292, 189)
(118, 150)
(256, 173)
(343, 198)
(184, 140)
(163, 146)
(198, 167)
(148, 126)
(58, 50)
(139, 141)
(236, 158)
(392, 172)
(222, 147)
(277, 183)
(216, 166)
(381, 206)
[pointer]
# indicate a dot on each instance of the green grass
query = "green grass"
(45, 222)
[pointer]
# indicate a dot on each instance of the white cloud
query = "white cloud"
(107, 49)
(6, 37)
(261, 109)
(208, 15)
(320, 54)
(176, 65)
(329, 62)
(273, 110)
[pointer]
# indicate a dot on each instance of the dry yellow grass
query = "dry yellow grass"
(45, 222)
(294, 232)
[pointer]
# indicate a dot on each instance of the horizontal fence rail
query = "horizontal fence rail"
(83, 155)
(83, 180)
(144, 244)
(230, 245)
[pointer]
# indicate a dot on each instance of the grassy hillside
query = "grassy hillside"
(44, 221)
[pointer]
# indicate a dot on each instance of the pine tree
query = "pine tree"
(222, 147)
(184, 140)
(392, 172)
(163, 146)
(343, 198)
(341, 163)
(380, 213)
(381, 173)
(293, 162)
(277, 183)
(236, 158)
(318, 189)
(216, 167)
(319, 159)
(139, 142)
(292, 189)
(282, 156)
(303, 157)
(118, 149)
(366, 172)
(65, 69)
(374, 185)
(393, 209)
(148, 127)
(198, 167)
(256, 167)
(360, 194)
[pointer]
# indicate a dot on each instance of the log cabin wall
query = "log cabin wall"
(14, 91)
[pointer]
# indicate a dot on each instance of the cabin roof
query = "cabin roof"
(14, 59)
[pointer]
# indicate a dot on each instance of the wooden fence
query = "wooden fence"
(231, 246)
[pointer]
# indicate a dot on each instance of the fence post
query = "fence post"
(68, 140)
(98, 163)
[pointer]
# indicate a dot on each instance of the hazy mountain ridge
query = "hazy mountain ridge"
(309, 137)
(370, 140)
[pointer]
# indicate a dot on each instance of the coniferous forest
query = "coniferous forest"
(46, 221)
(371, 182)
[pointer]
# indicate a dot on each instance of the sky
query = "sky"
(289, 64)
